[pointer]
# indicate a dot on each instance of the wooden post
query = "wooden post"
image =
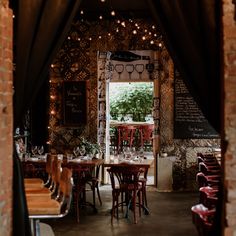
(156, 108)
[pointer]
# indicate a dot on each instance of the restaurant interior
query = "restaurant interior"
(119, 118)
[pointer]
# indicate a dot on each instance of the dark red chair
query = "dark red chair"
(146, 135)
(203, 219)
(126, 135)
(126, 189)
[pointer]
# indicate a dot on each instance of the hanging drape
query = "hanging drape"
(191, 34)
(41, 28)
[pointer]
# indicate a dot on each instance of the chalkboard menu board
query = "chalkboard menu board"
(74, 103)
(189, 121)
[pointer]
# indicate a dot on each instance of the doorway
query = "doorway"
(130, 104)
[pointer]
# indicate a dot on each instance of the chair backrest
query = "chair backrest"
(146, 133)
(65, 190)
(49, 162)
(56, 175)
(126, 134)
(125, 176)
(79, 174)
(66, 182)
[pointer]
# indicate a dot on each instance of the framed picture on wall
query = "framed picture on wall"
(74, 103)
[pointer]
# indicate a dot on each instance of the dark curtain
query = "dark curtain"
(41, 28)
(191, 31)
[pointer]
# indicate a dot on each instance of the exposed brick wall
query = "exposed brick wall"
(229, 44)
(5, 118)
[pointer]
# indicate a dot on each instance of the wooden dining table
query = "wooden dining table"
(145, 163)
(115, 123)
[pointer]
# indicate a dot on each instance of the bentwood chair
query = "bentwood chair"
(79, 188)
(126, 189)
(126, 135)
(146, 136)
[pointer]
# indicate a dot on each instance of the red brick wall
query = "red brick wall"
(229, 45)
(5, 118)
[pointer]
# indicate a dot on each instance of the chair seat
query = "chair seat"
(34, 186)
(38, 192)
(33, 180)
(50, 207)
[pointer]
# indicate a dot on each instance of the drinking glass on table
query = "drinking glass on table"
(82, 151)
(141, 154)
(34, 150)
(76, 151)
(40, 150)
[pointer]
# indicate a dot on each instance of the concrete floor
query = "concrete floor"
(170, 215)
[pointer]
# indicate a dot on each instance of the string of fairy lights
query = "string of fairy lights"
(138, 28)
(141, 30)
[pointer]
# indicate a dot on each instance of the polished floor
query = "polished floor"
(170, 215)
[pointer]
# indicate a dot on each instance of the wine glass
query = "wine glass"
(141, 154)
(76, 151)
(40, 150)
(139, 68)
(34, 150)
(82, 151)
(119, 68)
(130, 69)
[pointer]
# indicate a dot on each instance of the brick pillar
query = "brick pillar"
(229, 47)
(6, 118)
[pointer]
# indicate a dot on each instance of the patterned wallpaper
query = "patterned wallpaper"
(77, 60)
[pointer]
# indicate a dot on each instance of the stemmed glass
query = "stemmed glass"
(34, 150)
(141, 154)
(126, 151)
(82, 151)
(76, 151)
(130, 69)
(139, 68)
(40, 150)
(119, 68)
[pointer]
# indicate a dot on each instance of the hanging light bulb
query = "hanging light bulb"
(123, 24)
(151, 42)
(134, 31)
(113, 13)
(81, 12)
(100, 17)
(143, 38)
